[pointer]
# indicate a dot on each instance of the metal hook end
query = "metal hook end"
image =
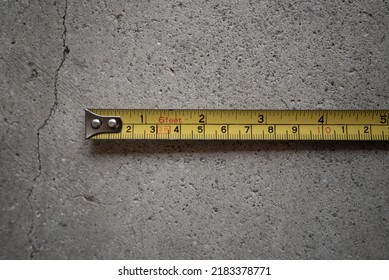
(96, 124)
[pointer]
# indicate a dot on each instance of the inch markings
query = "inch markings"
(197, 124)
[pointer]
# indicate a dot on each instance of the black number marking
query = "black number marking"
(128, 129)
(223, 129)
(200, 129)
(152, 129)
(294, 129)
(270, 129)
(261, 118)
(366, 129)
(202, 118)
(342, 128)
(141, 118)
(247, 128)
(321, 119)
(176, 129)
(384, 119)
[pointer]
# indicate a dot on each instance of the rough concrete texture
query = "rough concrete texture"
(63, 197)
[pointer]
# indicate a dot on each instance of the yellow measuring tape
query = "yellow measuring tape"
(188, 124)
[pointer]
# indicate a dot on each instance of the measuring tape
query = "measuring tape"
(183, 124)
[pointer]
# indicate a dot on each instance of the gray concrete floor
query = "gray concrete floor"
(64, 197)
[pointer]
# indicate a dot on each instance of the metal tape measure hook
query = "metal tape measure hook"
(96, 124)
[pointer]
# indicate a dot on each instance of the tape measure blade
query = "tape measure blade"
(209, 124)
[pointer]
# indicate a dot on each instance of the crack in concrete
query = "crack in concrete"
(65, 51)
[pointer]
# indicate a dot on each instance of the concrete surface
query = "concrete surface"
(66, 198)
